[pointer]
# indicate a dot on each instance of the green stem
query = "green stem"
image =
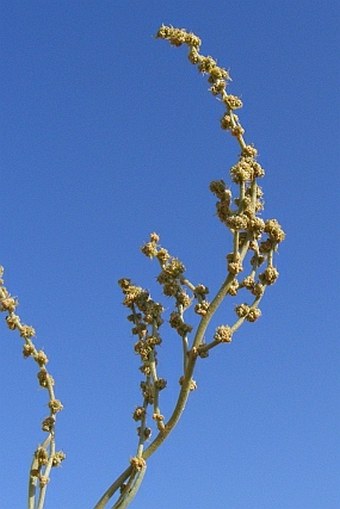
(113, 488)
(32, 484)
(130, 490)
(47, 471)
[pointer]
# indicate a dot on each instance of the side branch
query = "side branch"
(45, 456)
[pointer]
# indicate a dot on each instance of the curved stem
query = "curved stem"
(113, 488)
(130, 490)
(47, 471)
(32, 484)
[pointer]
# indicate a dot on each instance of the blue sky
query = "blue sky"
(108, 134)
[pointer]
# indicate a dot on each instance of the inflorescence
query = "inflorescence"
(241, 215)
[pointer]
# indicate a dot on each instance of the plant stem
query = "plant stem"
(131, 489)
(113, 488)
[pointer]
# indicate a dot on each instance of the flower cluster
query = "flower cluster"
(137, 463)
(223, 334)
(250, 313)
(175, 284)
(42, 460)
(146, 317)
(178, 36)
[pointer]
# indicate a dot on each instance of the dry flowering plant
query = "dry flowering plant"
(249, 266)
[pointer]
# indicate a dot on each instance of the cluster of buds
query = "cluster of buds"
(178, 36)
(136, 298)
(200, 294)
(223, 334)
(144, 432)
(218, 76)
(137, 463)
(176, 322)
(254, 287)
(171, 275)
(146, 317)
(42, 459)
(250, 313)
(58, 458)
(174, 284)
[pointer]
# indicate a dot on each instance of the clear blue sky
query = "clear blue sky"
(108, 134)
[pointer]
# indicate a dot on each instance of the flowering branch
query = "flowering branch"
(45, 456)
(250, 234)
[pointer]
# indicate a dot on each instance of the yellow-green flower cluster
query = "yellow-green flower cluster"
(137, 463)
(146, 317)
(173, 282)
(178, 36)
(250, 313)
(176, 322)
(218, 76)
(136, 298)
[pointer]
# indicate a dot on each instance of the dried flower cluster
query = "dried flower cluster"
(45, 457)
(146, 317)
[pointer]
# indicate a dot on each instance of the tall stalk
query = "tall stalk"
(250, 234)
